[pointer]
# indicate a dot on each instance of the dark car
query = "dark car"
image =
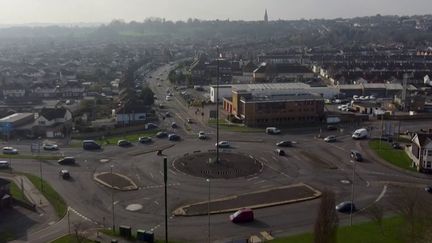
(346, 207)
(91, 145)
(332, 127)
(167, 114)
(150, 126)
(124, 143)
(64, 174)
(396, 146)
(174, 125)
(173, 137)
(242, 216)
(355, 155)
(284, 144)
(66, 161)
(428, 189)
(161, 135)
(280, 152)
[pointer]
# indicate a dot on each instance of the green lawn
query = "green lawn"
(70, 239)
(396, 157)
(368, 232)
(17, 193)
(50, 194)
(117, 234)
(6, 236)
(29, 156)
(233, 127)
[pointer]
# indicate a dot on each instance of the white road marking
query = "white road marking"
(151, 174)
(172, 171)
(259, 182)
(160, 172)
(253, 178)
(383, 192)
(156, 202)
(264, 159)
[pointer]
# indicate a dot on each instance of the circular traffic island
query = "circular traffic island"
(115, 181)
(229, 166)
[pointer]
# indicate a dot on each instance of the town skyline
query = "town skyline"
(25, 12)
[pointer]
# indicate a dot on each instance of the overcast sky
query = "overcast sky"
(74, 11)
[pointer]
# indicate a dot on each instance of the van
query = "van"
(360, 133)
(4, 164)
(272, 130)
(91, 145)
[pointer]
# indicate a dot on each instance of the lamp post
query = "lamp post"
(217, 106)
(112, 198)
(208, 208)
(352, 191)
(166, 200)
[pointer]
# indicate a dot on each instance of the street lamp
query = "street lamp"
(217, 105)
(208, 208)
(112, 197)
(352, 191)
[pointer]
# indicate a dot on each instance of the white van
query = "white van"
(360, 133)
(4, 164)
(272, 130)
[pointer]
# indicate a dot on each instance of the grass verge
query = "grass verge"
(50, 194)
(71, 239)
(370, 232)
(397, 157)
(16, 192)
(29, 156)
(109, 232)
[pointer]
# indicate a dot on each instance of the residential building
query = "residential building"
(53, 122)
(421, 152)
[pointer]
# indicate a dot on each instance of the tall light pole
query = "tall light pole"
(166, 200)
(208, 209)
(352, 191)
(217, 106)
(112, 198)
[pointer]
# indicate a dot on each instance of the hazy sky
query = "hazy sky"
(73, 11)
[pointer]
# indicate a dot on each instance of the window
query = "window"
(428, 164)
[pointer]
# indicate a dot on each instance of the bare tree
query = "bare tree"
(327, 221)
(78, 234)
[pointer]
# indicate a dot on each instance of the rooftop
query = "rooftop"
(15, 117)
(282, 97)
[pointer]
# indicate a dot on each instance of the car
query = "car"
(9, 150)
(64, 174)
(4, 164)
(124, 143)
(223, 144)
(173, 137)
(150, 126)
(66, 161)
(144, 139)
(272, 130)
(167, 98)
(167, 114)
(355, 155)
(284, 144)
(243, 215)
(49, 146)
(91, 145)
(161, 134)
(201, 135)
(396, 146)
(174, 125)
(332, 127)
(428, 189)
(346, 207)
(280, 152)
(330, 139)
(190, 121)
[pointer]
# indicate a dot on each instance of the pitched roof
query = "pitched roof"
(424, 138)
(52, 113)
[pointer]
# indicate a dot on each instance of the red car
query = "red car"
(243, 215)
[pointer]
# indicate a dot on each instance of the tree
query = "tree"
(327, 221)
(147, 96)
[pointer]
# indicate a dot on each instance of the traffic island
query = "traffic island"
(229, 166)
(258, 199)
(115, 181)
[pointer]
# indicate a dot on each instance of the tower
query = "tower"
(265, 16)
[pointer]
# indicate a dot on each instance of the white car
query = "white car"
(48, 146)
(168, 98)
(9, 150)
(330, 139)
(223, 144)
(201, 135)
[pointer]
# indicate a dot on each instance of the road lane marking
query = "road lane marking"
(253, 178)
(156, 202)
(264, 159)
(383, 192)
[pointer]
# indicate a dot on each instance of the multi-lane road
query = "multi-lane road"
(311, 161)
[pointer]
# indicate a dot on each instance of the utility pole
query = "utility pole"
(208, 209)
(112, 198)
(217, 106)
(352, 191)
(166, 201)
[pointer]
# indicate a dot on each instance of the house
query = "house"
(131, 113)
(5, 198)
(420, 152)
(53, 122)
(44, 90)
(13, 91)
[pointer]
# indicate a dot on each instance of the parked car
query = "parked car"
(151, 126)
(330, 139)
(284, 144)
(174, 125)
(201, 135)
(345, 207)
(124, 143)
(272, 130)
(332, 127)
(91, 145)
(145, 139)
(161, 134)
(173, 137)
(64, 174)
(223, 144)
(4, 164)
(355, 155)
(49, 146)
(280, 152)
(9, 150)
(396, 146)
(243, 215)
(66, 161)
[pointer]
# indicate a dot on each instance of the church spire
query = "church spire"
(265, 16)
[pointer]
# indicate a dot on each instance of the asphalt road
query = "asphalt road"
(311, 161)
